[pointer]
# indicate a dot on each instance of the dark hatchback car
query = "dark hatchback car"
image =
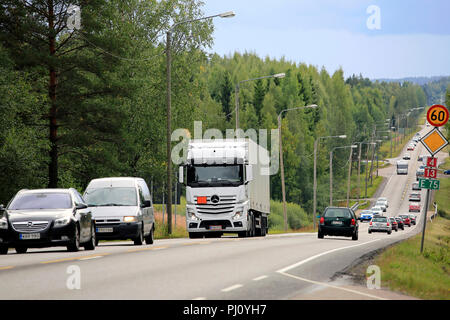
(46, 218)
(400, 223)
(337, 221)
(394, 223)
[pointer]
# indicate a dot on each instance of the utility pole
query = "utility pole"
(349, 174)
(169, 131)
(331, 178)
(359, 170)
(283, 191)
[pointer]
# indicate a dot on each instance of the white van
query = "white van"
(122, 209)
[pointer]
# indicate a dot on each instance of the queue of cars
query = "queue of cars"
(111, 208)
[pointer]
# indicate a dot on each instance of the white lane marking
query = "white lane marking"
(199, 298)
(260, 278)
(295, 265)
(234, 287)
(331, 286)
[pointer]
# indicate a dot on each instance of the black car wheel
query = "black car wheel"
(21, 249)
(92, 242)
(149, 238)
(140, 238)
(355, 236)
(320, 235)
(3, 250)
(74, 245)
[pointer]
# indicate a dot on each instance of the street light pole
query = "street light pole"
(316, 145)
(283, 188)
(236, 92)
(169, 108)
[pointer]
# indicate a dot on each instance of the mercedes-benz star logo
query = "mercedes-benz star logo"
(30, 223)
(215, 199)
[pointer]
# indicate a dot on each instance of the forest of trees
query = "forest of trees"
(89, 103)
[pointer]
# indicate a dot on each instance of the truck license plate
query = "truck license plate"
(30, 236)
(104, 230)
(215, 227)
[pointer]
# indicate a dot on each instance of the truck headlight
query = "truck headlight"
(3, 223)
(237, 215)
(192, 216)
(130, 219)
(61, 222)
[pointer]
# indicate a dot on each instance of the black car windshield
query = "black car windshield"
(111, 197)
(36, 201)
(214, 175)
(337, 213)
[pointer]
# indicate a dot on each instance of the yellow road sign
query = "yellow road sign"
(434, 141)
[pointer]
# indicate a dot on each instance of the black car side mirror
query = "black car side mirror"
(80, 206)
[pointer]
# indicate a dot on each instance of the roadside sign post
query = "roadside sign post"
(433, 141)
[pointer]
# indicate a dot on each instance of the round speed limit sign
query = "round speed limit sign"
(437, 115)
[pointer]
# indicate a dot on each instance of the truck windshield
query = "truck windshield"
(111, 197)
(214, 175)
(402, 166)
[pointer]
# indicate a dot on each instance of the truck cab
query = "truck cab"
(402, 167)
(225, 190)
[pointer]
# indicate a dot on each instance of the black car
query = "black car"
(394, 223)
(338, 221)
(400, 223)
(46, 218)
(413, 219)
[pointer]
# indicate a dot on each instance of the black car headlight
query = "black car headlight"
(61, 222)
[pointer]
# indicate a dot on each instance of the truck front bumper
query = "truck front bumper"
(216, 225)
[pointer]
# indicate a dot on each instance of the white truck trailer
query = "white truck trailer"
(227, 188)
(402, 167)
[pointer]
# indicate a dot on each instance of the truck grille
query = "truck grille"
(225, 205)
(32, 226)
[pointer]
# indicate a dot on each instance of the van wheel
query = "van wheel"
(140, 238)
(149, 238)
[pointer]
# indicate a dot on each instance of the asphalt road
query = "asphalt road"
(286, 266)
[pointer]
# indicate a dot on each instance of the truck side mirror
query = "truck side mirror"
(248, 173)
(180, 174)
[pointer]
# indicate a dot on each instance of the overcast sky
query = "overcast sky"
(378, 38)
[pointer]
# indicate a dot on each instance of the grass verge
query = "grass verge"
(426, 276)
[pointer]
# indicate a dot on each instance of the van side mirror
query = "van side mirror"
(146, 204)
(248, 173)
(180, 174)
(80, 206)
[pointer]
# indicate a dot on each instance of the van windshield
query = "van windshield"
(111, 197)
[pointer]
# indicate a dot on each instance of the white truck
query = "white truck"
(227, 188)
(402, 167)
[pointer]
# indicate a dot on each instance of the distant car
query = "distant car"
(366, 215)
(416, 186)
(447, 171)
(400, 223)
(413, 219)
(419, 173)
(413, 207)
(422, 157)
(377, 211)
(386, 202)
(394, 223)
(337, 221)
(406, 219)
(406, 156)
(410, 147)
(415, 196)
(47, 218)
(380, 224)
(381, 204)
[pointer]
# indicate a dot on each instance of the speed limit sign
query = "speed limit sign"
(437, 115)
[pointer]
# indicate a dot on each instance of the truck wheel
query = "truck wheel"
(195, 235)
(242, 234)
